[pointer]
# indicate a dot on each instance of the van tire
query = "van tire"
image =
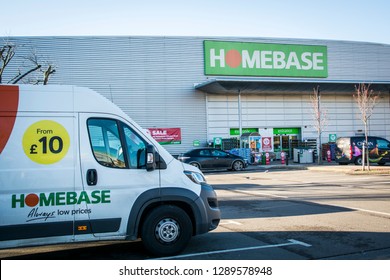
(358, 161)
(166, 231)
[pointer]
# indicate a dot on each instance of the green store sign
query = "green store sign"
(236, 131)
(259, 59)
(287, 130)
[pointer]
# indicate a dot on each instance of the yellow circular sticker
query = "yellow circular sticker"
(46, 142)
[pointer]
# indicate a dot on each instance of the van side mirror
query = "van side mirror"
(150, 158)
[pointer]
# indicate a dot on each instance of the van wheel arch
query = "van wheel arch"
(358, 160)
(153, 198)
(147, 210)
(166, 230)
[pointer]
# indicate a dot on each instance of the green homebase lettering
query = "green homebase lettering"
(84, 198)
(47, 200)
(71, 198)
(60, 198)
(17, 200)
(259, 59)
(63, 198)
(103, 197)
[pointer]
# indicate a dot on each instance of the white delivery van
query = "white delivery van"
(74, 168)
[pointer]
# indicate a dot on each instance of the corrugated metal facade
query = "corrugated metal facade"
(152, 80)
(278, 111)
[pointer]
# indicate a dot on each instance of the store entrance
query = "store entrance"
(285, 140)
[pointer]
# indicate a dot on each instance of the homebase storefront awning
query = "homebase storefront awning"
(285, 86)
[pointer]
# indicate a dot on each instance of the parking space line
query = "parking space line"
(289, 243)
(297, 242)
(229, 222)
(368, 211)
(255, 192)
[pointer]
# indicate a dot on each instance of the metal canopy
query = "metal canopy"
(285, 86)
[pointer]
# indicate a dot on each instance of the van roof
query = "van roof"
(60, 98)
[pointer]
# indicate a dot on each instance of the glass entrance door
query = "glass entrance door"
(277, 145)
(284, 143)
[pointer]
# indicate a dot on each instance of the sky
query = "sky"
(351, 20)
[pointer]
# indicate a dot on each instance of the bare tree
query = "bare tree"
(320, 119)
(7, 52)
(366, 100)
(32, 63)
(35, 65)
(48, 72)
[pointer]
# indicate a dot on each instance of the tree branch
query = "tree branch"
(28, 72)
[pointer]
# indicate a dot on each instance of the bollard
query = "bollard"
(328, 156)
(267, 158)
(282, 157)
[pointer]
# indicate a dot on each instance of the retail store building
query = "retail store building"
(190, 91)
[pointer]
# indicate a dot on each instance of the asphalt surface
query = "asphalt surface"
(274, 212)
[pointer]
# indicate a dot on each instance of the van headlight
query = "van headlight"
(195, 177)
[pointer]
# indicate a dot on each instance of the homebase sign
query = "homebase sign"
(258, 59)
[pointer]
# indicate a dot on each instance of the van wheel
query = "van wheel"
(358, 161)
(166, 231)
(238, 165)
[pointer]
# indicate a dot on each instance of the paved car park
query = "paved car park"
(307, 214)
(274, 213)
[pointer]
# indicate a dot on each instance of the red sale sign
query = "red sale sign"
(166, 136)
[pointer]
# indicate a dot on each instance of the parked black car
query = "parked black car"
(210, 158)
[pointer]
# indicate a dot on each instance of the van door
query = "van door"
(113, 164)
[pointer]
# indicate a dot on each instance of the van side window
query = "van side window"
(136, 148)
(105, 141)
(116, 145)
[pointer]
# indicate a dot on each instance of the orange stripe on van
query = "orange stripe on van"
(9, 100)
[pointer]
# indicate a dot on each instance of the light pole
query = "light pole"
(319, 144)
(239, 116)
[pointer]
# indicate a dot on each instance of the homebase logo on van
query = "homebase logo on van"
(60, 198)
(259, 59)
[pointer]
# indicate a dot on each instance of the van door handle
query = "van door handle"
(92, 177)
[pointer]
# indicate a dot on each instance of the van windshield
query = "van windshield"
(383, 144)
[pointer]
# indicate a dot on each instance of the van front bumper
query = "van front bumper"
(212, 213)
